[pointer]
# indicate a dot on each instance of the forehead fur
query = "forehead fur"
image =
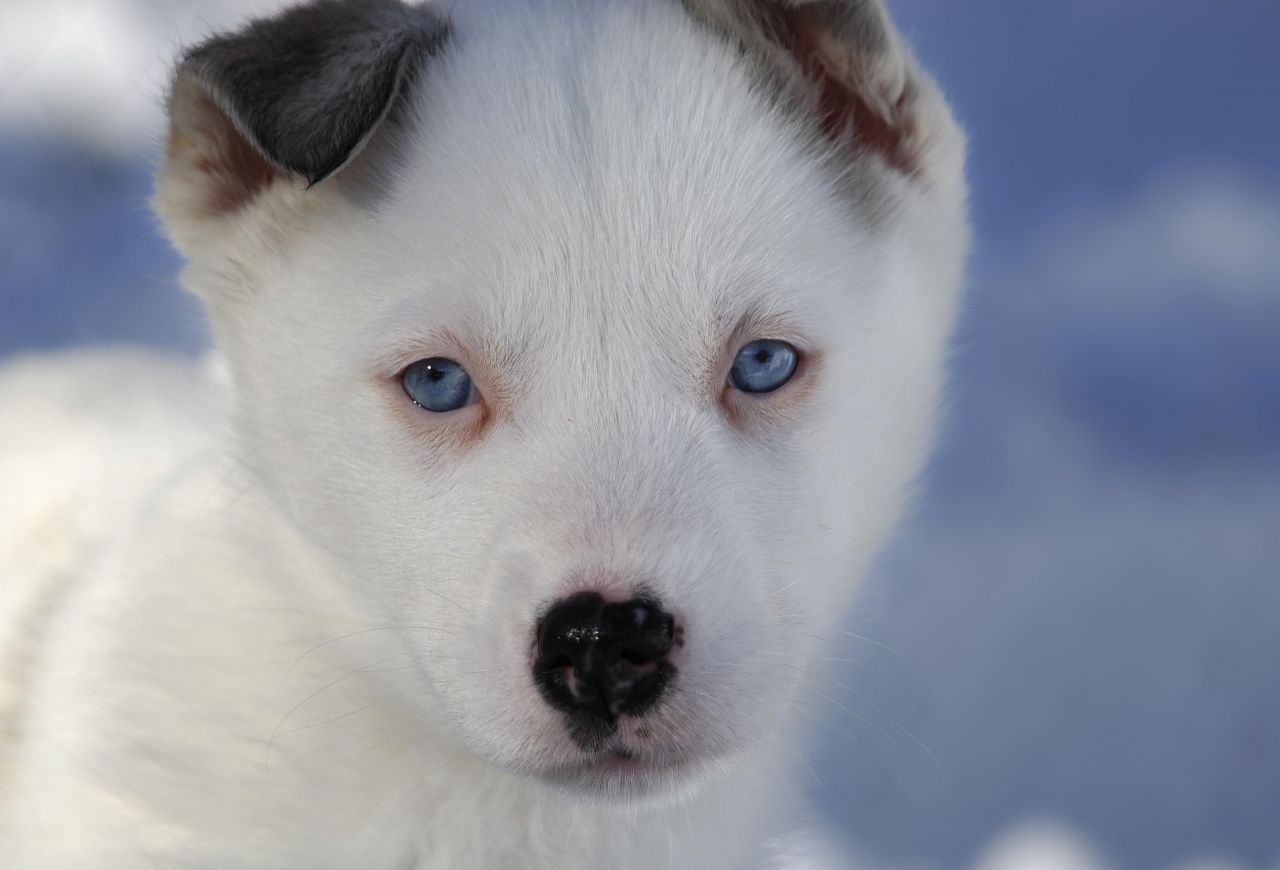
(606, 150)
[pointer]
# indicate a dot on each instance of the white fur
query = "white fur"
(304, 642)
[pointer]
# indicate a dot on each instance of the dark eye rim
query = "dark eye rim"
(473, 394)
(796, 369)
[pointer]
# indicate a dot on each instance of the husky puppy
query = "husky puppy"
(574, 358)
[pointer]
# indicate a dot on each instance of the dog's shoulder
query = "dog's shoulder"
(131, 544)
(85, 438)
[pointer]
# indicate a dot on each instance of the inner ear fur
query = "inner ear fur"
(226, 169)
(844, 63)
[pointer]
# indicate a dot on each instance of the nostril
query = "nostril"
(637, 657)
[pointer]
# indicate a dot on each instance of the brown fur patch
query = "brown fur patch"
(205, 140)
(842, 79)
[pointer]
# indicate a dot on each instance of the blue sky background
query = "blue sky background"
(1081, 623)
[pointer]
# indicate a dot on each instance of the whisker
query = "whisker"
(865, 639)
(913, 738)
(362, 631)
(393, 697)
(298, 706)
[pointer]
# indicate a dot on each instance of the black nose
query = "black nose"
(598, 661)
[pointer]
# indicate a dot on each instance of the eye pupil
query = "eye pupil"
(437, 384)
(763, 366)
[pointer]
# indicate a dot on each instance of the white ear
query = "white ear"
(285, 102)
(845, 64)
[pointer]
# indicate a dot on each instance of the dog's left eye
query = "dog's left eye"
(437, 384)
(763, 366)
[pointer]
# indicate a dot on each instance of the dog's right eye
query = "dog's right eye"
(438, 384)
(763, 366)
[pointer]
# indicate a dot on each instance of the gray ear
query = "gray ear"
(299, 94)
(844, 63)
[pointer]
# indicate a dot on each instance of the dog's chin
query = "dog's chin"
(635, 779)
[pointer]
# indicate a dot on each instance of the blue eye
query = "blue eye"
(437, 384)
(763, 365)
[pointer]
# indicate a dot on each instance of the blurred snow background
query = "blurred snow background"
(1071, 655)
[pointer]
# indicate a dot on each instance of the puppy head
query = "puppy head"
(599, 340)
